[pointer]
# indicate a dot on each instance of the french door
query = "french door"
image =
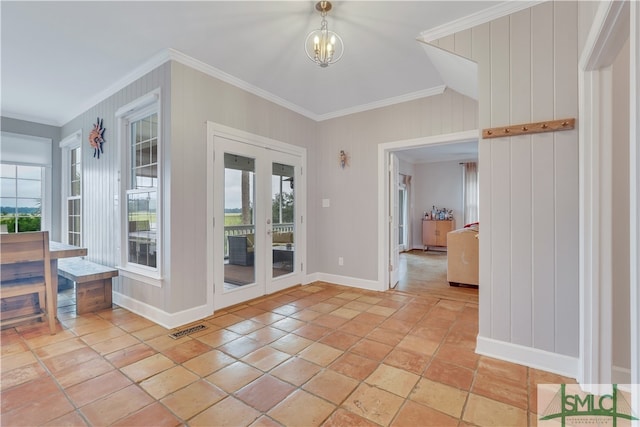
(257, 220)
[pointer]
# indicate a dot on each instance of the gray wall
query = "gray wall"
(528, 65)
(45, 131)
(349, 225)
(197, 98)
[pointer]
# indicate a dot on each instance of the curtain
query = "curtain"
(406, 180)
(470, 192)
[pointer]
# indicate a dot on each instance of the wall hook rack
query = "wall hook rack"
(528, 128)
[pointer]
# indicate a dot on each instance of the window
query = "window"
(21, 199)
(25, 183)
(141, 187)
(72, 189)
(470, 192)
(74, 201)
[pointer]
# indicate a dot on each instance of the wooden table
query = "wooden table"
(28, 304)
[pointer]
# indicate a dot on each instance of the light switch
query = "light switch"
(326, 203)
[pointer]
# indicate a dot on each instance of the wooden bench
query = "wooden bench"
(93, 283)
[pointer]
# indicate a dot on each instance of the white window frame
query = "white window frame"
(27, 150)
(140, 108)
(68, 144)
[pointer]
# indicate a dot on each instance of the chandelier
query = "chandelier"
(322, 46)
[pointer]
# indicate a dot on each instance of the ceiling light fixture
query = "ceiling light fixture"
(322, 46)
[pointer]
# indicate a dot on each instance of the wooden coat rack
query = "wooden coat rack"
(527, 128)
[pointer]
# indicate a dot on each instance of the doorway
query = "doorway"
(387, 152)
(255, 192)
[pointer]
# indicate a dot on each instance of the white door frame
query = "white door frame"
(608, 33)
(394, 220)
(384, 151)
(634, 200)
(217, 130)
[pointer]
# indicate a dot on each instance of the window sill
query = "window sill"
(148, 278)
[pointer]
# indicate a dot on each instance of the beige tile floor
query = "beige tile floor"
(314, 355)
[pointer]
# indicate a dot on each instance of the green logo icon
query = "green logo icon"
(586, 408)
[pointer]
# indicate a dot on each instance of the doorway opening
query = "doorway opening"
(390, 263)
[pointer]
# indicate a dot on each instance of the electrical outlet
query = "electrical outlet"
(340, 261)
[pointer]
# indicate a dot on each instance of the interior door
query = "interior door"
(255, 241)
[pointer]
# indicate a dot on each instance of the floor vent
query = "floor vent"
(186, 331)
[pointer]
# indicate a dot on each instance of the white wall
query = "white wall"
(621, 334)
(527, 65)
(439, 184)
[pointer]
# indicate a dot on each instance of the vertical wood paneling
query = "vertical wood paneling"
(481, 51)
(528, 185)
(566, 177)
(520, 197)
(447, 110)
(100, 182)
(543, 188)
(500, 169)
(448, 42)
(463, 43)
(457, 113)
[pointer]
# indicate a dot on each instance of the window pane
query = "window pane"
(8, 204)
(7, 171)
(8, 187)
(282, 212)
(28, 223)
(29, 188)
(142, 228)
(30, 172)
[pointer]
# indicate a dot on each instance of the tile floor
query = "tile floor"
(315, 355)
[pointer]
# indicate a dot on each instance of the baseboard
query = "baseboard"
(161, 317)
(532, 357)
(354, 282)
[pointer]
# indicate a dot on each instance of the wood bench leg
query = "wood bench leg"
(93, 296)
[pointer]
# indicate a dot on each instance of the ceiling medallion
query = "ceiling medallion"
(322, 46)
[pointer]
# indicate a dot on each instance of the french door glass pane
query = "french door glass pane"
(282, 214)
(239, 221)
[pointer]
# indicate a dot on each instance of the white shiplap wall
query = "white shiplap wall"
(527, 70)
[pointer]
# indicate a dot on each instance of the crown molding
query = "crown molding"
(437, 90)
(174, 55)
(196, 64)
(475, 19)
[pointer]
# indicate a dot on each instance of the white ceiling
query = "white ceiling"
(59, 56)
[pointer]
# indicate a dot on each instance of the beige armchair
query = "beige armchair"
(462, 257)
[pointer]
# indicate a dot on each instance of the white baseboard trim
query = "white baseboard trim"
(161, 317)
(527, 356)
(354, 282)
(620, 375)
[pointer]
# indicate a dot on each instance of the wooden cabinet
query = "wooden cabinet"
(434, 233)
